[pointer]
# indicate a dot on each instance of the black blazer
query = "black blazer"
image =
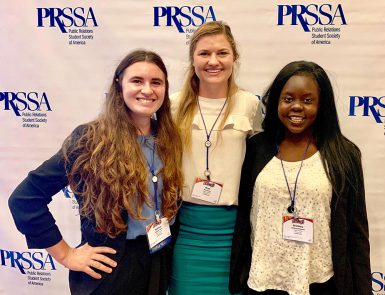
(349, 227)
(29, 207)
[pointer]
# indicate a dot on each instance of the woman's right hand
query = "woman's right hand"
(85, 258)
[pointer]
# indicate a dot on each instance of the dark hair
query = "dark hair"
(340, 157)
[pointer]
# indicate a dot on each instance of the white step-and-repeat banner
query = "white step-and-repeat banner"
(57, 59)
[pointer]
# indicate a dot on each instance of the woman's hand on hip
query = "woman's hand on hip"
(85, 258)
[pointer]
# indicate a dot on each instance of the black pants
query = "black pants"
(138, 272)
(327, 288)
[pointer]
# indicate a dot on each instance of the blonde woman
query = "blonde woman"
(215, 117)
(126, 179)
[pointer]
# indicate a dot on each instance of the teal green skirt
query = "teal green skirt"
(202, 251)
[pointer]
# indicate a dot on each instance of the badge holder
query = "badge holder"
(158, 234)
(207, 190)
(297, 229)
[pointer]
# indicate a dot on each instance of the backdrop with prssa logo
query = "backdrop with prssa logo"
(57, 59)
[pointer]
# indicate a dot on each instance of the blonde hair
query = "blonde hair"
(106, 167)
(190, 89)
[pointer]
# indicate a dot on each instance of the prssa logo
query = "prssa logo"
(24, 101)
(378, 283)
(25, 261)
(310, 15)
(183, 16)
(68, 194)
(368, 106)
(63, 18)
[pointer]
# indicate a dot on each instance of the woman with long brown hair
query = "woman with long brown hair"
(126, 178)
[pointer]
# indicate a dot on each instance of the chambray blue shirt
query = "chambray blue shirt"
(138, 227)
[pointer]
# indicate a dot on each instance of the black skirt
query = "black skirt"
(138, 272)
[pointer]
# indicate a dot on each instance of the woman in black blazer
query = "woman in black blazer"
(302, 143)
(126, 177)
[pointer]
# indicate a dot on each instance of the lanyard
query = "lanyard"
(208, 142)
(154, 180)
(291, 208)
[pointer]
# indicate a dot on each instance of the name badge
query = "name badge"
(158, 234)
(207, 190)
(298, 229)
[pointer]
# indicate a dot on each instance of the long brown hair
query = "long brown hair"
(190, 89)
(106, 167)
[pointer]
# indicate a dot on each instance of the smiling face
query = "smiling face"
(213, 61)
(143, 88)
(298, 105)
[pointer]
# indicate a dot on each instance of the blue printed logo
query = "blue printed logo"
(378, 283)
(70, 195)
(77, 23)
(368, 106)
(63, 18)
(18, 102)
(183, 17)
(310, 15)
(324, 21)
(67, 192)
(26, 261)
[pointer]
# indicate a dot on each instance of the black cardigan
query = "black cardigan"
(349, 227)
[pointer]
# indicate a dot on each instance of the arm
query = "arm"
(359, 239)
(241, 247)
(29, 203)
(259, 152)
(29, 208)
